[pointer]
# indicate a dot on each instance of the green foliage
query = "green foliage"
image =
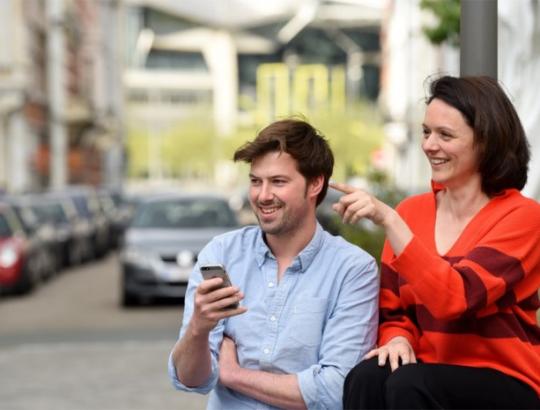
(353, 135)
(184, 149)
(383, 189)
(369, 239)
(188, 149)
(365, 234)
(447, 13)
(191, 148)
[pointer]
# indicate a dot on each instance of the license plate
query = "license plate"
(176, 274)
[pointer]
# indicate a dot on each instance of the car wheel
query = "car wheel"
(26, 283)
(129, 299)
(75, 255)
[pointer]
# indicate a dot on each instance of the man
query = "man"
(309, 300)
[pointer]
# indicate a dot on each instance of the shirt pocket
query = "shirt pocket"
(308, 320)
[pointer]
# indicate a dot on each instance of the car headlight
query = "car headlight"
(143, 259)
(8, 256)
(185, 259)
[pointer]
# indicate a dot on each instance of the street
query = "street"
(70, 345)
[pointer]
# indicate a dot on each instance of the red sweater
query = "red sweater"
(476, 305)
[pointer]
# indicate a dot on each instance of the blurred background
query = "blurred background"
(118, 121)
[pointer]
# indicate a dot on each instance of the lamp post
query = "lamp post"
(55, 85)
(478, 38)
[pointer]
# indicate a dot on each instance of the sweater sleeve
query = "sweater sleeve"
(394, 320)
(505, 256)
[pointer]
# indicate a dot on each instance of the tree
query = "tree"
(447, 13)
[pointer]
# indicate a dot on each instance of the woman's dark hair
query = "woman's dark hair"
(298, 139)
(503, 150)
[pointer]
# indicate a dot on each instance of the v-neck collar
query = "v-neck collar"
(436, 187)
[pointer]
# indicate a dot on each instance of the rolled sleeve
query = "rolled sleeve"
(321, 388)
(216, 334)
(203, 389)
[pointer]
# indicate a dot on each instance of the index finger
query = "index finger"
(209, 285)
(344, 188)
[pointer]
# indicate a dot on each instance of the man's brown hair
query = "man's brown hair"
(298, 139)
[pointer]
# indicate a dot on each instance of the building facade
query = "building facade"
(60, 94)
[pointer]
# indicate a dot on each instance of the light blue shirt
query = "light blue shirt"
(317, 322)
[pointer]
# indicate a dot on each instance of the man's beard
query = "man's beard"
(286, 224)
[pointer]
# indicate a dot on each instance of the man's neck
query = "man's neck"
(287, 246)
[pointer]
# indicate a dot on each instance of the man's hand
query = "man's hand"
(211, 305)
(228, 361)
(191, 354)
(396, 349)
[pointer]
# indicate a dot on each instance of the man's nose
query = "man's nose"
(266, 194)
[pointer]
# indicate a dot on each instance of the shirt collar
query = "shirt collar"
(302, 261)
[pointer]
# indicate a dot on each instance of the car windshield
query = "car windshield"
(51, 212)
(26, 217)
(184, 213)
(5, 231)
(82, 206)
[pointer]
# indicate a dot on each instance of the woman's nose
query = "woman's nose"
(429, 143)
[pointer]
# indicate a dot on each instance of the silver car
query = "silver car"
(161, 244)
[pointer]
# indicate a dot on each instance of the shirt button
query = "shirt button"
(273, 318)
(270, 284)
(266, 351)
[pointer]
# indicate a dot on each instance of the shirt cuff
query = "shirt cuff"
(202, 389)
(306, 383)
(309, 382)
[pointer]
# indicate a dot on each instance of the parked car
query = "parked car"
(24, 258)
(88, 208)
(162, 243)
(118, 213)
(34, 226)
(72, 234)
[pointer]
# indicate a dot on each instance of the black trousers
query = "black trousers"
(434, 386)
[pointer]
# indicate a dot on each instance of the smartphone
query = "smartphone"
(217, 271)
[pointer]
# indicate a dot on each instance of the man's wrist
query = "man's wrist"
(229, 376)
(196, 332)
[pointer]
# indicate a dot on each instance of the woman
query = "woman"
(460, 267)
